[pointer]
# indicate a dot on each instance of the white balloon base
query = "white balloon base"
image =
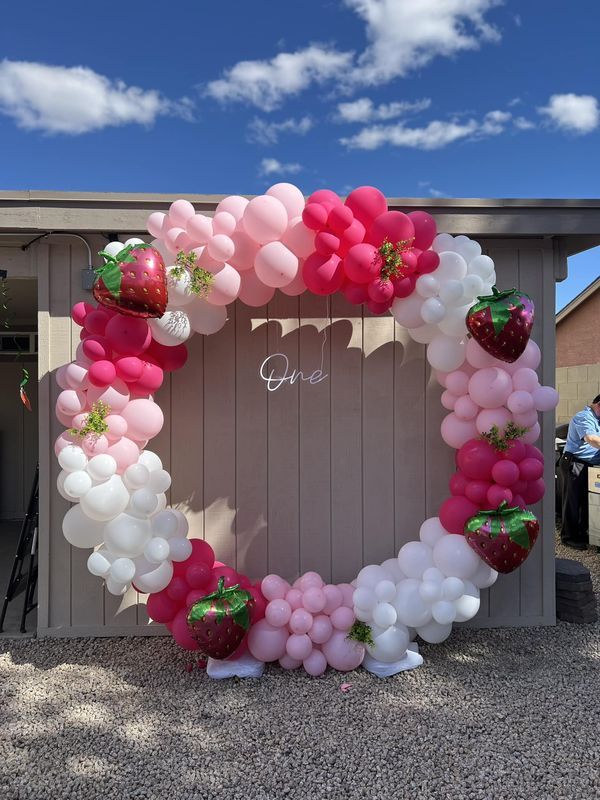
(411, 660)
(243, 667)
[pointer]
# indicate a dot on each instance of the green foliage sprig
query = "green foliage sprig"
(391, 255)
(501, 442)
(362, 633)
(94, 422)
(200, 279)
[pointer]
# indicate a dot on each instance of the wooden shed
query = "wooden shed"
(329, 475)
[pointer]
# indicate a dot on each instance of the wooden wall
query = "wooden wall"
(329, 476)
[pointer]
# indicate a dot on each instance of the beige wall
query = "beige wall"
(577, 339)
(577, 386)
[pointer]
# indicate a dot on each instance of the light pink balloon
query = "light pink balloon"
(333, 598)
(489, 417)
(545, 398)
(291, 197)
(457, 382)
(61, 375)
(299, 646)
(64, 440)
(224, 222)
(465, 408)
(490, 387)
(184, 242)
(299, 238)
(234, 205)
(301, 621)
(245, 251)
(310, 580)
(220, 247)
(275, 265)
(278, 612)
(81, 358)
(297, 286)
(477, 356)
(180, 211)
(225, 287)
(315, 664)
(531, 356)
(144, 418)
(347, 591)
(94, 444)
(287, 662)
(76, 376)
(526, 419)
(519, 402)
(206, 261)
(117, 427)
(321, 629)
(342, 653)
(155, 223)
(115, 396)
(314, 600)
(456, 432)
(64, 419)
(274, 587)
(170, 239)
(253, 291)
(294, 598)
(343, 618)
(441, 377)
(199, 228)
(205, 318)
(525, 379)
(265, 642)
(265, 219)
(448, 400)
(69, 402)
(533, 434)
(125, 452)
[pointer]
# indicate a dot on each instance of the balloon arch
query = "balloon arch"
(152, 297)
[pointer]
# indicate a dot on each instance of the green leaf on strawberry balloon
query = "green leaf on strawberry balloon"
(520, 536)
(500, 305)
(232, 601)
(111, 275)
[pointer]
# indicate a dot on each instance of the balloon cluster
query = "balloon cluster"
(433, 583)
(306, 624)
(194, 578)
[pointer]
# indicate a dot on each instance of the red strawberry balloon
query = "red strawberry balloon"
(501, 323)
(502, 538)
(133, 282)
(219, 621)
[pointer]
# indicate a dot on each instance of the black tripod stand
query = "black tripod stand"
(26, 549)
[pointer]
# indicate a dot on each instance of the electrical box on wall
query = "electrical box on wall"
(18, 343)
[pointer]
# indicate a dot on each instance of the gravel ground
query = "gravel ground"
(491, 714)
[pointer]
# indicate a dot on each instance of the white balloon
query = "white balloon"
(442, 243)
(384, 615)
(72, 458)
(434, 575)
(364, 598)
(144, 501)
(390, 645)
(468, 248)
(133, 241)
(165, 524)
(427, 285)
(114, 587)
(157, 550)
(453, 556)
(107, 500)
(179, 288)
(484, 577)
(430, 591)
(363, 615)
(472, 286)
(162, 503)
(154, 578)
(443, 612)
(150, 460)
(407, 311)
(127, 536)
(206, 318)
(114, 248)
(452, 589)
(136, 476)
(158, 244)
(434, 632)
(424, 334)
(182, 523)
(454, 324)
(370, 576)
(385, 591)
(445, 353)
(414, 558)
(392, 568)
(451, 292)
(432, 531)
(99, 564)
(81, 531)
(482, 266)
(102, 467)
(452, 267)
(159, 481)
(77, 483)
(122, 570)
(60, 485)
(172, 328)
(179, 549)
(409, 605)
(433, 311)
(467, 606)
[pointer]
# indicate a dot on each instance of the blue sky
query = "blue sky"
(456, 98)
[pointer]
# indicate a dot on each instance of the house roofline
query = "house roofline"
(578, 300)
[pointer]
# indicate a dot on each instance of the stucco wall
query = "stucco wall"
(578, 335)
(577, 386)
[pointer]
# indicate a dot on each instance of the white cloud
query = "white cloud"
(271, 166)
(402, 35)
(431, 190)
(523, 124)
(494, 123)
(266, 84)
(263, 132)
(578, 113)
(364, 110)
(76, 100)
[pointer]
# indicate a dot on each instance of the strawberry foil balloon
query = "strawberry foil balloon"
(501, 323)
(133, 282)
(219, 621)
(502, 538)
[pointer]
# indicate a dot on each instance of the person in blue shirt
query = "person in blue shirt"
(582, 449)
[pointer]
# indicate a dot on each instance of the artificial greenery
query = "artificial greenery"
(391, 255)
(501, 442)
(95, 421)
(200, 279)
(361, 632)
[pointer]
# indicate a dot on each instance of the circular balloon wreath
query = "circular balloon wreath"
(152, 297)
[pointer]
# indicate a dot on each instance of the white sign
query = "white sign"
(274, 371)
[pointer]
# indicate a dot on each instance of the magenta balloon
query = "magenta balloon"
(425, 229)
(366, 203)
(378, 308)
(323, 275)
(181, 634)
(342, 618)
(354, 234)
(340, 218)
(278, 613)
(531, 469)
(380, 290)
(505, 472)
(476, 492)
(245, 251)
(301, 621)
(299, 646)
(151, 378)
(355, 293)
(498, 494)
(363, 263)
(96, 348)
(102, 373)
(314, 600)
(129, 368)
(427, 262)
(128, 336)
(534, 491)
(160, 607)
(392, 225)
(515, 452)
(326, 243)
(253, 291)
(404, 287)
(454, 513)
(314, 216)
(265, 642)
(458, 484)
(95, 322)
(342, 653)
(80, 311)
(315, 663)
(326, 197)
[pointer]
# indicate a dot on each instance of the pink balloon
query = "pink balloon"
(533, 434)
(392, 225)
(297, 286)
(499, 494)
(245, 251)
(115, 396)
(520, 402)
(333, 598)
(94, 444)
(278, 613)
(342, 653)
(234, 205)
(323, 275)
(490, 387)
(531, 469)
(342, 618)
(70, 402)
(125, 452)
(525, 379)
(321, 629)
(300, 621)
(76, 376)
(489, 417)
(314, 600)
(275, 265)
(265, 219)
(526, 419)
(224, 223)
(181, 634)
(253, 291)
(199, 228)
(315, 663)
(454, 513)
(531, 356)
(96, 348)
(267, 643)
(180, 211)
(291, 197)
(366, 203)
(448, 400)
(64, 419)
(465, 408)
(294, 598)
(80, 311)
(477, 356)
(102, 373)
(456, 432)
(287, 662)
(425, 229)
(144, 418)
(117, 427)
(220, 247)
(128, 336)
(225, 287)
(362, 263)
(298, 238)
(64, 440)
(505, 473)
(457, 382)
(154, 224)
(60, 377)
(347, 591)
(545, 398)
(299, 646)
(274, 587)
(311, 580)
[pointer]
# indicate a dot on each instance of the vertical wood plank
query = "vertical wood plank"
(346, 440)
(12, 490)
(41, 257)
(283, 490)
(378, 439)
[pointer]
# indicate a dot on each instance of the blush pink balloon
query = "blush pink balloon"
(533, 434)
(291, 197)
(321, 629)
(245, 250)
(300, 621)
(235, 205)
(294, 598)
(287, 662)
(144, 418)
(297, 286)
(342, 618)
(265, 219)
(342, 653)
(64, 440)
(278, 613)
(448, 400)
(60, 376)
(457, 382)
(180, 211)
(75, 376)
(117, 427)
(490, 387)
(311, 580)
(314, 600)
(315, 663)
(115, 396)
(170, 239)
(333, 598)
(220, 247)
(267, 643)
(274, 587)
(347, 591)
(94, 444)
(526, 419)
(224, 223)
(69, 402)
(299, 646)
(154, 223)
(519, 402)
(253, 291)
(531, 356)
(299, 238)
(465, 408)
(525, 379)
(489, 417)
(199, 228)
(125, 452)
(477, 356)
(225, 287)
(545, 398)
(64, 419)
(456, 432)
(275, 265)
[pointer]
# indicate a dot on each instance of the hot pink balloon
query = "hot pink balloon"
(179, 628)
(380, 290)
(102, 373)
(505, 473)
(392, 225)
(151, 378)
(454, 513)
(275, 265)
(129, 368)
(265, 642)
(315, 663)
(354, 234)
(96, 348)
(265, 219)
(326, 197)
(96, 321)
(161, 608)
(129, 336)
(366, 203)
(144, 418)
(458, 484)
(225, 287)
(253, 291)
(476, 459)
(80, 311)
(323, 275)
(326, 243)
(534, 491)
(355, 293)
(531, 469)
(315, 216)
(425, 229)
(428, 261)
(476, 492)
(499, 494)
(362, 263)
(340, 218)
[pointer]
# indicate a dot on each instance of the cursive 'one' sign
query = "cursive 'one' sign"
(274, 371)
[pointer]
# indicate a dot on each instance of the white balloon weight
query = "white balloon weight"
(81, 531)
